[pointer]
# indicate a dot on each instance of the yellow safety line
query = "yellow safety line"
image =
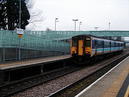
(127, 92)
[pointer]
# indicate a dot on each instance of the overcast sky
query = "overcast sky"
(91, 13)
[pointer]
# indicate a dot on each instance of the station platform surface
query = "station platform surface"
(28, 62)
(114, 83)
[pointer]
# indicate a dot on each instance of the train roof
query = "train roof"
(84, 35)
(88, 35)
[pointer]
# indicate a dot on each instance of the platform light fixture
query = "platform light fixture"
(80, 23)
(56, 20)
(109, 25)
(75, 20)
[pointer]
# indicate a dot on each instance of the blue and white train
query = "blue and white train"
(90, 46)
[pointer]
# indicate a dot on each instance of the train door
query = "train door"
(80, 47)
(74, 44)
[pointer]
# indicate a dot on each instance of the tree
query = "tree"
(10, 12)
(2, 14)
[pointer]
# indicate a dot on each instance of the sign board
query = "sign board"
(20, 32)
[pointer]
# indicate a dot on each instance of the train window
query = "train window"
(93, 44)
(87, 38)
(122, 44)
(74, 42)
(99, 44)
(88, 43)
(116, 44)
(107, 44)
(112, 44)
(119, 44)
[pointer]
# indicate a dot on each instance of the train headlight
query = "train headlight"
(73, 52)
(87, 52)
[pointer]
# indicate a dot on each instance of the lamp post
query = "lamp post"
(109, 25)
(80, 23)
(56, 20)
(75, 20)
(19, 31)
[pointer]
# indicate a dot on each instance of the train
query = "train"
(87, 46)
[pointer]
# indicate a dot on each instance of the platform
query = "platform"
(115, 83)
(17, 64)
(14, 71)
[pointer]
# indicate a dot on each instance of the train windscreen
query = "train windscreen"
(88, 42)
(74, 42)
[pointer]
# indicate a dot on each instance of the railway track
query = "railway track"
(73, 89)
(21, 85)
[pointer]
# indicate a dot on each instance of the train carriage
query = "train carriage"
(89, 46)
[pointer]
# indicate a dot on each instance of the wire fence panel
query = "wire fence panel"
(32, 44)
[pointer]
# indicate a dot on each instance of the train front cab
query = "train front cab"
(81, 46)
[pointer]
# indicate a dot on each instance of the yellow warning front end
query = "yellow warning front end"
(88, 50)
(73, 47)
(73, 50)
(80, 47)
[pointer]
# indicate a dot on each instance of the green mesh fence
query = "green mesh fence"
(50, 41)
(32, 44)
(41, 40)
(42, 43)
(33, 40)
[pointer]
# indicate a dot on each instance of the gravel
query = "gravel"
(45, 89)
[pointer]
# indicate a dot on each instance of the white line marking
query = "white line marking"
(99, 78)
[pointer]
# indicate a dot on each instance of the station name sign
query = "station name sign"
(20, 32)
